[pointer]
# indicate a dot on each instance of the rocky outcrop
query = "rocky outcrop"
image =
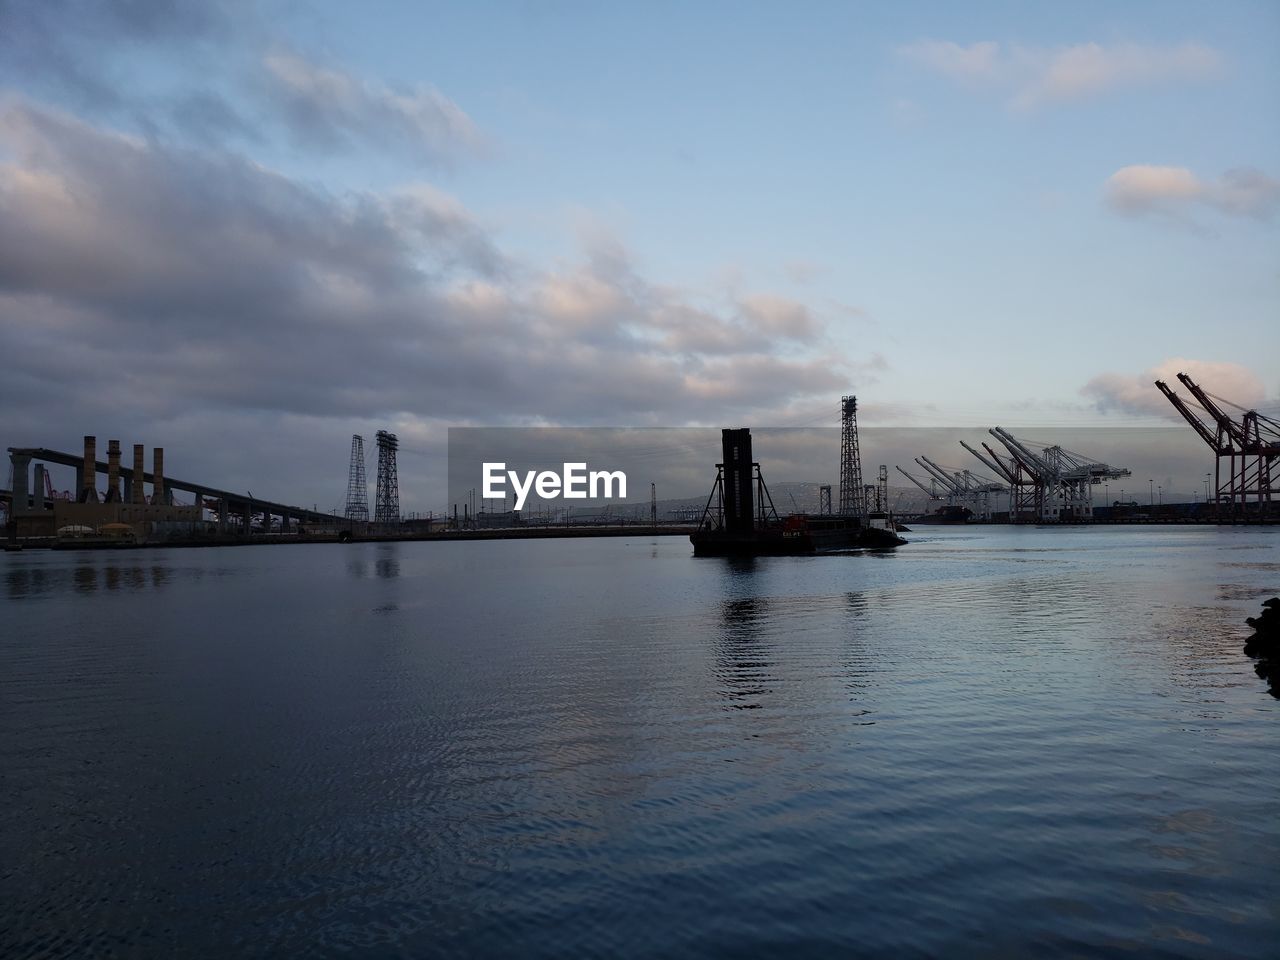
(1264, 645)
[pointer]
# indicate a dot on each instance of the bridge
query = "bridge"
(226, 503)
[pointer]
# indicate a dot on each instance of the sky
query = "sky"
(245, 231)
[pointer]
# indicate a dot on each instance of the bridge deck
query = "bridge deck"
(198, 489)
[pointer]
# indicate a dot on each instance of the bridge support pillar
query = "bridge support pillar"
(284, 523)
(21, 475)
(37, 490)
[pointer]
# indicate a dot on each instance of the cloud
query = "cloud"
(1137, 395)
(1030, 77)
(204, 302)
(326, 106)
(976, 62)
(75, 47)
(1143, 189)
(779, 317)
(803, 271)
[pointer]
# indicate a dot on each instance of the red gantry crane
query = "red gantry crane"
(1248, 449)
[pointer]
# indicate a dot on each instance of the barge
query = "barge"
(740, 519)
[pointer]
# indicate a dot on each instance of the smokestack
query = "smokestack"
(157, 476)
(113, 471)
(89, 472)
(138, 470)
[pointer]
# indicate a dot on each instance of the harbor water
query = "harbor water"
(993, 741)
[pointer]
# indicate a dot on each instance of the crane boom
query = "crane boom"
(993, 465)
(1031, 461)
(953, 479)
(1206, 402)
(940, 475)
(1196, 423)
(932, 494)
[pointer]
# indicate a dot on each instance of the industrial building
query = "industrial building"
(124, 512)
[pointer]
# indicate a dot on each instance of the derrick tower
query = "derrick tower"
(386, 508)
(357, 491)
(852, 497)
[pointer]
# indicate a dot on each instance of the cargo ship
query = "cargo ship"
(740, 519)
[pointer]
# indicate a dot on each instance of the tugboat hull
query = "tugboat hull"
(798, 536)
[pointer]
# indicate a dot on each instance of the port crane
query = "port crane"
(930, 491)
(1026, 494)
(964, 488)
(1054, 484)
(1248, 449)
(52, 494)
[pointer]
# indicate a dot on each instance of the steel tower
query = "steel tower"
(852, 499)
(357, 491)
(386, 507)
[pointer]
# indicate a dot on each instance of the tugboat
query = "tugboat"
(740, 519)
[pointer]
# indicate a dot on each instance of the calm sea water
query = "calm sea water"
(993, 741)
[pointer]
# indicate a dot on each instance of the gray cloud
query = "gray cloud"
(239, 83)
(71, 46)
(325, 106)
(239, 317)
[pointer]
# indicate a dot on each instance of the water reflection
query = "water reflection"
(386, 565)
(855, 655)
(743, 654)
(85, 578)
(25, 582)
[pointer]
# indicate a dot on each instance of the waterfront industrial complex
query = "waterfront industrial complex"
(1049, 485)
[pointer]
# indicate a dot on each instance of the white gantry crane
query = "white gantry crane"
(1050, 486)
(930, 491)
(964, 488)
(958, 487)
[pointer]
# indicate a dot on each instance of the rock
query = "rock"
(1264, 645)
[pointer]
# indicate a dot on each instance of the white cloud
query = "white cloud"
(1137, 394)
(1030, 77)
(778, 317)
(1174, 192)
(978, 61)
